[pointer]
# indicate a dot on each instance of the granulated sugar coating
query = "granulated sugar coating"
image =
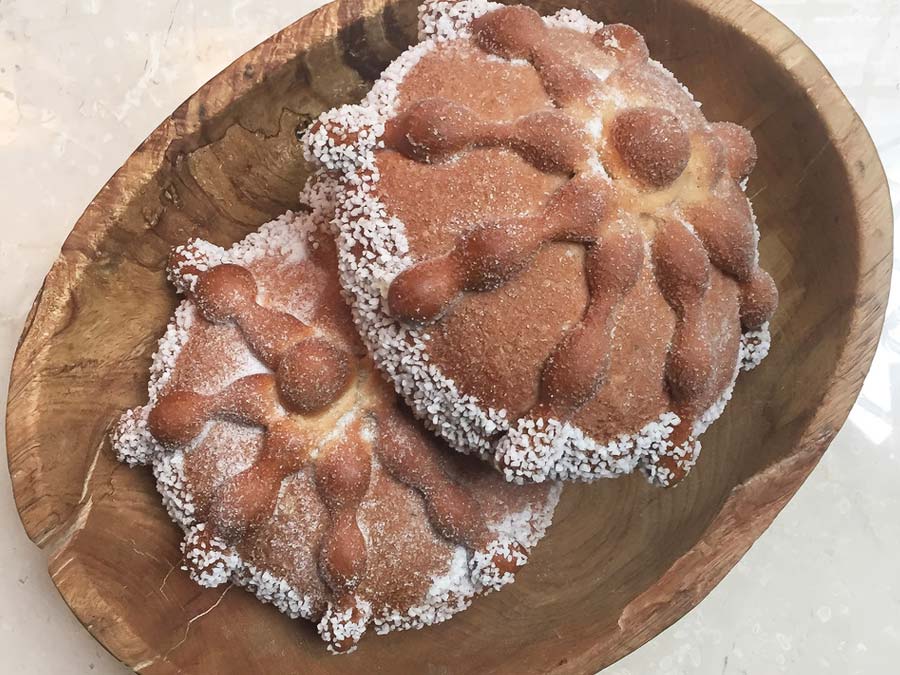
(293, 468)
(547, 246)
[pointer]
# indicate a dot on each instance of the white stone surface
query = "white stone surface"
(82, 82)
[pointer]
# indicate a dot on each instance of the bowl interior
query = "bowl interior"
(228, 172)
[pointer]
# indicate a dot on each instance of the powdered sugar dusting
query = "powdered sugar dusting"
(339, 626)
(132, 442)
(574, 20)
(755, 347)
(537, 450)
(213, 562)
(275, 591)
(373, 250)
(669, 75)
(449, 19)
(475, 573)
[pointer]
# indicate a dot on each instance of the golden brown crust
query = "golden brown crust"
(623, 175)
(740, 148)
(312, 374)
(346, 499)
(648, 144)
(653, 146)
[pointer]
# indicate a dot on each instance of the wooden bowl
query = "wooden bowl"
(623, 560)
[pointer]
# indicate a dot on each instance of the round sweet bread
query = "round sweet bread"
(289, 464)
(548, 247)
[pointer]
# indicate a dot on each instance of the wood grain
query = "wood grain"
(623, 560)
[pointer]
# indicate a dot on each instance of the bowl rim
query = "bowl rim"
(693, 575)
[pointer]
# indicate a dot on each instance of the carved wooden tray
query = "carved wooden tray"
(623, 560)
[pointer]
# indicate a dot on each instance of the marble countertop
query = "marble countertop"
(82, 82)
